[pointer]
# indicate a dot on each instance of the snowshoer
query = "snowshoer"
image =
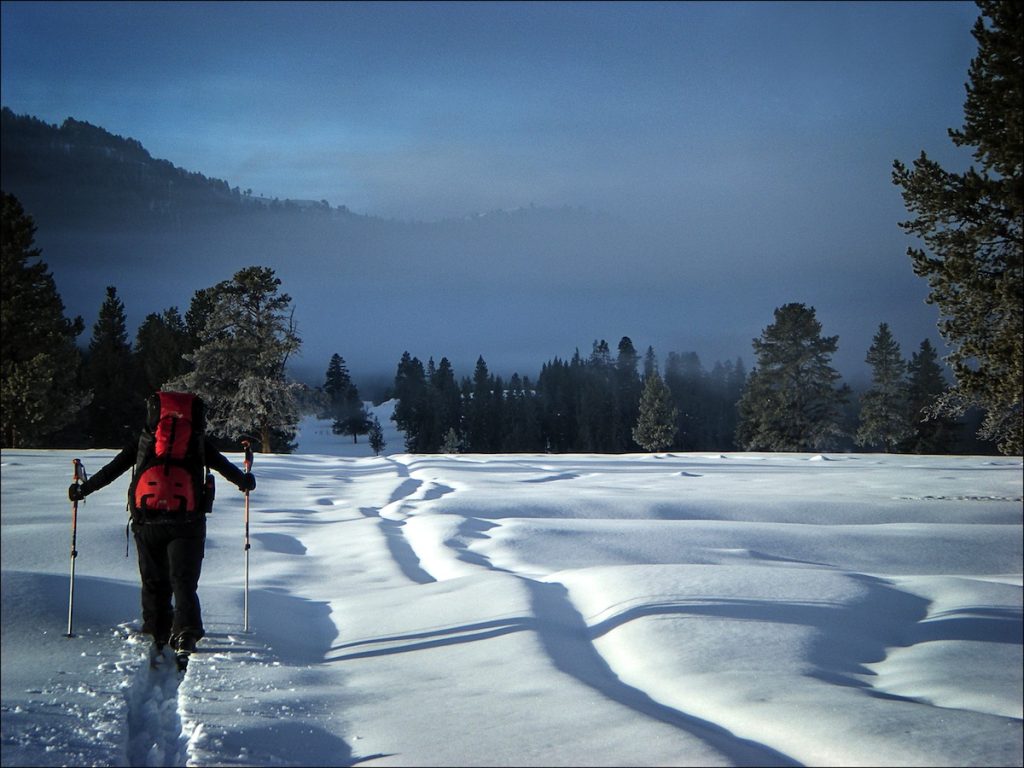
(169, 496)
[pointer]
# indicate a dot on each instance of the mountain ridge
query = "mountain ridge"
(75, 172)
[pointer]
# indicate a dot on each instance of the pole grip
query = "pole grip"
(78, 475)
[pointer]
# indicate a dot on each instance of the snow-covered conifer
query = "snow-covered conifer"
(656, 425)
(246, 340)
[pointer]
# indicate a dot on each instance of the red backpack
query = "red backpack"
(170, 469)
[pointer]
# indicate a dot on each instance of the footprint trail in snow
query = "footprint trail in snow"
(155, 736)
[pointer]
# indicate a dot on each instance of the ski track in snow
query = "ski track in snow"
(567, 639)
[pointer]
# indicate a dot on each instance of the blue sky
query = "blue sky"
(424, 110)
(755, 137)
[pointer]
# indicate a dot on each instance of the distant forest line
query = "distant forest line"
(594, 403)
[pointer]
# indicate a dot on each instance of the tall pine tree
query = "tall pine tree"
(628, 388)
(116, 412)
(161, 344)
(356, 421)
(791, 401)
(932, 433)
(39, 393)
(483, 413)
(447, 402)
(885, 408)
(596, 419)
(971, 225)
(344, 404)
(413, 397)
(336, 383)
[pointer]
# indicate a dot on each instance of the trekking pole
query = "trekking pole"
(248, 468)
(79, 478)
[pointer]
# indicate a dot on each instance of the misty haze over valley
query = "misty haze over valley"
(517, 287)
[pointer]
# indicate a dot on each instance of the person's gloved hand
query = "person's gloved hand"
(75, 492)
(248, 482)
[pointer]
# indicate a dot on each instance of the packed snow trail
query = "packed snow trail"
(154, 731)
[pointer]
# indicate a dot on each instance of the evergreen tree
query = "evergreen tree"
(39, 392)
(161, 344)
(116, 412)
(791, 401)
(656, 425)
(597, 404)
(932, 434)
(197, 317)
(430, 429)
(412, 396)
(650, 363)
(884, 415)
(497, 413)
(357, 419)
(601, 355)
(240, 366)
(376, 436)
(971, 223)
(627, 396)
(482, 412)
(452, 442)
(447, 401)
(344, 405)
(336, 384)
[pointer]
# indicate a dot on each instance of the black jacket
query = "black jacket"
(125, 460)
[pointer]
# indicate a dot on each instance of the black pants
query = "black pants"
(170, 561)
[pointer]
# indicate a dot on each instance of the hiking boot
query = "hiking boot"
(184, 644)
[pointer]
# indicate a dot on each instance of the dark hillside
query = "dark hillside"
(80, 175)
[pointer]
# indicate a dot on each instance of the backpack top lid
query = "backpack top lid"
(178, 420)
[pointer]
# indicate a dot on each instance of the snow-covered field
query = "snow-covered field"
(665, 609)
